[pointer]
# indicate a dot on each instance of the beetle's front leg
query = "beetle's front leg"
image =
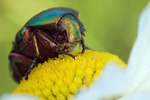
(83, 46)
(66, 53)
(46, 40)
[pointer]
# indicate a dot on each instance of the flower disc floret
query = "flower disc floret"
(61, 78)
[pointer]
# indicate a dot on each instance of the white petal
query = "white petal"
(138, 70)
(110, 85)
(137, 96)
(19, 97)
(143, 19)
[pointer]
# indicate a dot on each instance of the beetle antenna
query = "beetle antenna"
(66, 53)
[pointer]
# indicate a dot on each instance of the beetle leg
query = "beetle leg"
(18, 62)
(48, 41)
(19, 58)
(66, 53)
(52, 44)
(37, 54)
(83, 46)
(45, 40)
(31, 66)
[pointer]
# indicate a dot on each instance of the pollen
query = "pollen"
(61, 78)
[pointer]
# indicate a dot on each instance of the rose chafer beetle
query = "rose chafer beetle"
(44, 36)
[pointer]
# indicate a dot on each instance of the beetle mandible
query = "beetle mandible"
(44, 36)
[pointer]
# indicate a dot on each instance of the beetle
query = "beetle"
(46, 35)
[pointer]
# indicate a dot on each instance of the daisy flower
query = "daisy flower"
(94, 75)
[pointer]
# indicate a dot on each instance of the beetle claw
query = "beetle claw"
(26, 76)
(73, 56)
(31, 66)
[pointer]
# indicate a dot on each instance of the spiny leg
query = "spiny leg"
(37, 54)
(66, 53)
(31, 66)
(83, 46)
(47, 40)
(52, 44)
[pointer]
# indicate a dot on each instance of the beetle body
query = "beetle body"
(44, 36)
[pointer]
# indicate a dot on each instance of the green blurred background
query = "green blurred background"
(111, 26)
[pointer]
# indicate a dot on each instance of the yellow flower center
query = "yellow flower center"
(61, 78)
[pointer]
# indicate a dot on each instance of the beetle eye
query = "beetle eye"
(62, 33)
(61, 29)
